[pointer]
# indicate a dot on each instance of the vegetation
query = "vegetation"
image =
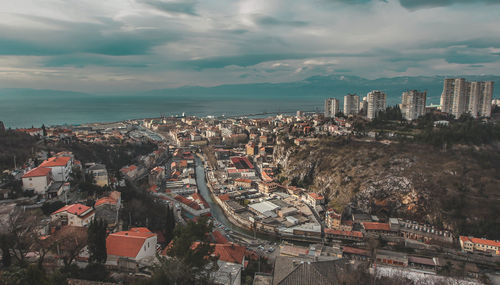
(465, 130)
(456, 188)
(142, 209)
(190, 251)
(97, 242)
(16, 146)
(113, 156)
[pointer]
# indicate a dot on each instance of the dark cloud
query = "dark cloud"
(185, 7)
(271, 21)
(83, 60)
(105, 38)
(419, 4)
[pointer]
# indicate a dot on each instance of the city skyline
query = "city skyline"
(146, 44)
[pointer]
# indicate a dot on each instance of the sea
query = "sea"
(22, 111)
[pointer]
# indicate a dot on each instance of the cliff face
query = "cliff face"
(458, 189)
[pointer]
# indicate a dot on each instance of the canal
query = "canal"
(215, 209)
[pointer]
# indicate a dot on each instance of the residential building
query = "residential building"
(447, 95)
(99, 174)
(472, 244)
(363, 105)
(392, 258)
(314, 199)
(351, 104)
(331, 107)
(333, 219)
(59, 166)
(77, 215)
(37, 180)
(460, 96)
(106, 208)
(484, 101)
(413, 104)
(376, 103)
(135, 244)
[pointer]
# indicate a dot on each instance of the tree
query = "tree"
(5, 246)
(169, 224)
(191, 252)
(69, 241)
(97, 241)
(50, 207)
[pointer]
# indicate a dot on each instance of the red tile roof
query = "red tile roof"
(316, 196)
(105, 200)
(241, 162)
(127, 243)
(37, 172)
(243, 180)
(480, 241)
(230, 252)
(354, 250)
(344, 233)
(224, 197)
(218, 237)
(376, 226)
(75, 209)
(56, 161)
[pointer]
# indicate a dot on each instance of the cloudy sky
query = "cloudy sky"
(116, 45)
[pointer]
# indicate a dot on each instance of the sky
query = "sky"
(126, 45)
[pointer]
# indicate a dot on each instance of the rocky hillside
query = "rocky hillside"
(458, 189)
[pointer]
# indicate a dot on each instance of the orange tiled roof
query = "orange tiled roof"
(56, 161)
(127, 243)
(105, 200)
(75, 209)
(224, 197)
(316, 196)
(218, 237)
(376, 226)
(37, 172)
(481, 241)
(344, 233)
(230, 252)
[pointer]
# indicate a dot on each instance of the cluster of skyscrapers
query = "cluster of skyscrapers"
(460, 96)
(374, 102)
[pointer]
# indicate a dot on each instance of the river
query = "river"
(215, 209)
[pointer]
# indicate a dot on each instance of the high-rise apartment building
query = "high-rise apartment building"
(376, 103)
(413, 104)
(447, 95)
(460, 96)
(351, 104)
(484, 107)
(331, 107)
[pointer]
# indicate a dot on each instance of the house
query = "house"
(60, 167)
(243, 183)
(57, 189)
(293, 270)
(37, 180)
(135, 244)
(314, 199)
(99, 174)
(106, 208)
(392, 258)
(333, 219)
(74, 215)
(472, 244)
(373, 228)
(129, 171)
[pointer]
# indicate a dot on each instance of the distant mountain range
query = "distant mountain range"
(316, 86)
(21, 107)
